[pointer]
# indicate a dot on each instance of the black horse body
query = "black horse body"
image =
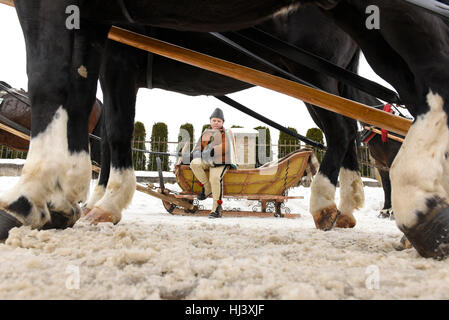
(125, 69)
(409, 49)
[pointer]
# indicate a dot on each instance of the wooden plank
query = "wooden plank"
(319, 98)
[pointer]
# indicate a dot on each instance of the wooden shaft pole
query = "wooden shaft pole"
(171, 199)
(319, 98)
(180, 202)
(8, 2)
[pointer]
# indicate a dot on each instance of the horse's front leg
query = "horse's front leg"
(322, 199)
(62, 68)
(352, 196)
(419, 196)
(122, 70)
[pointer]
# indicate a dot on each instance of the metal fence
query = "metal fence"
(366, 162)
(142, 159)
(7, 153)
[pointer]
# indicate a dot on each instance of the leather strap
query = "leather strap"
(149, 77)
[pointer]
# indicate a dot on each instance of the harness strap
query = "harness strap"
(271, 43)
(149, 76)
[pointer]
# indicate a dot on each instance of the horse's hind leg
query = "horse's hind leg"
(351, 186)
(56, 175)
(387, 211)
(419, 194)
(119, 79)
(103, 178)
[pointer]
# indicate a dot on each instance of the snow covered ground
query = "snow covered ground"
(151, 254)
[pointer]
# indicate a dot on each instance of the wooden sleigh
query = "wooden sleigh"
(267, 185)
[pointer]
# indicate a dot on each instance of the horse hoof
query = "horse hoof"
(86, 211)
(326, 218)
(404, 241)
(97, 215)
(385, 214)
(345, 221)
(62, 220)
(430, 237)
(403, 244)
(7, 222)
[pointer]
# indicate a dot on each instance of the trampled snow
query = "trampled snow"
(151, 254)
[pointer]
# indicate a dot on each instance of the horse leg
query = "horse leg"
(119, 79)
(386, 211)
(56, 175)
(419, 189)
(419, 196)
(322, 199)
(100, 188)
(352, 196)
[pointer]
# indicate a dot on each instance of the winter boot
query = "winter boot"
(205, 192)
(217, 212)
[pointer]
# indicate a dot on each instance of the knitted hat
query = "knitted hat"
(218, 113)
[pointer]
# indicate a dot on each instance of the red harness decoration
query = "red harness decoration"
(387, 108)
